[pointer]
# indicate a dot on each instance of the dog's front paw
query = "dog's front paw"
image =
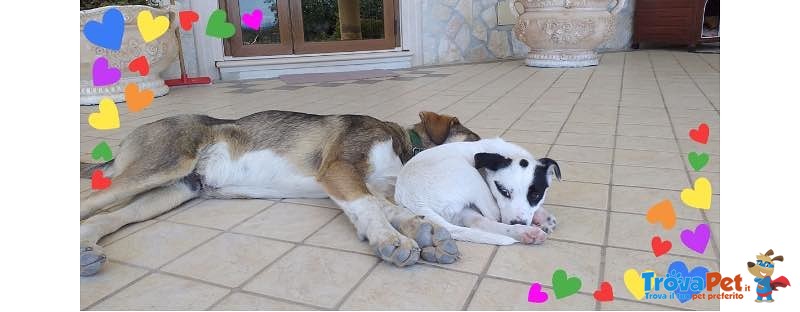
(397, 249)
(529, 234)
(545, 220)
(92, 259)
(436, 243)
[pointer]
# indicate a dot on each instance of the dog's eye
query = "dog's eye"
(503, 191)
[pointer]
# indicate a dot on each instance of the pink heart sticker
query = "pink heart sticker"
(536, 295)
(253, 20)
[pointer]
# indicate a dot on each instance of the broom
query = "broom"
(185, 79)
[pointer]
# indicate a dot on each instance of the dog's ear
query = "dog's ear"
(769, 252)
(778, 258)
(552, 167)
(491, 161)
(437, 127)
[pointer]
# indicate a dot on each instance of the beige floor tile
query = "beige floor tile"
(633, 231)
(646, 143)
(581, 154)
(496, 294)
(620, 260)
(650, 177)
(181, 208)
(125, 231)
(592, 140)
(547, 126)
(589, 128)
(577, 194)
(221, 213)
(287, 221)
(712, 147)
(640, 200)
(664, 131)
(228, 259)
(537, 150)
(340, 234)
(247, 302)
(626, 305)
(648, 159)
(313, 275)
(474, 257)
(585, 172)
(164, 292)
(529, 136)
(156, 245)
(488, 132)
(442, 289)
(111, 277)
(580, 225)
(532, 263)
(319, 202)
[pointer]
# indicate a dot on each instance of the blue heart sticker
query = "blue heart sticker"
(107, 34)
(688, 282)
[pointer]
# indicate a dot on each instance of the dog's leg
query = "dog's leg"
(545, 220)
(522, 233)
(347, 188)
(143, 207)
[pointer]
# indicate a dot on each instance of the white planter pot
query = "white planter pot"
(160, 54)
(564, 33)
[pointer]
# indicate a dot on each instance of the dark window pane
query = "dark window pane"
(333, 20)
(268, 32)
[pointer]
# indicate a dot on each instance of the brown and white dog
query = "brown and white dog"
(352, 159)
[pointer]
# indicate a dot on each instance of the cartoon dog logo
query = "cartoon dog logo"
(762, 270)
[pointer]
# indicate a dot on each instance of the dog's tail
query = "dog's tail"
(88, 168)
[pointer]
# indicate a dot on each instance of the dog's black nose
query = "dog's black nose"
(750, 264)
(513, 222)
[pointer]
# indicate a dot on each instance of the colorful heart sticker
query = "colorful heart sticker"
(536, 295)
(660, 247)
(635, 283)
(108, 33)
(698, 161)
(137, 100)
(253, 20)
(107, 117)
(101, 150)
(697, 240)
(663, 213)
(140, 65)
(99, 181)
(564, 287)
(700, 135)
(218, 26)
(187, 19)
(151, 28)
(104, 75)
(605, 293)
(686, 278)
(700, 196)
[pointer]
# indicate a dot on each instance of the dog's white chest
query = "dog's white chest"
(256, 174)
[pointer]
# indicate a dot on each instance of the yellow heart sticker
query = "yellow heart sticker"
(700, 196)
(635, 283)
(151, 28)
(107, 117)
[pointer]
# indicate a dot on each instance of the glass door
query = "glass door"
(312, 26)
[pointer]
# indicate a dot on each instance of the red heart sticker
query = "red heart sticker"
(660, 247)
(700, 135)
(187, 19)
(99, 182)
(605, 293)
(140, 65)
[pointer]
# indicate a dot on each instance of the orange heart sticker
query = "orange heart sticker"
(663, 213)
(137, 100)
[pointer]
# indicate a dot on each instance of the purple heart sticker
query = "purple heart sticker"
(102, 74)
(253, 20)
(697, 240)
(535, 294)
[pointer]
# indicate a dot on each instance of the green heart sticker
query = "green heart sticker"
(698, 161)
(218, 26)
(563, 286)
(101, 150)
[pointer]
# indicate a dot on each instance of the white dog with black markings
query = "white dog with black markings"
(489, 191)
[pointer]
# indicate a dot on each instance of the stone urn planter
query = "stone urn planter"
(160, 54)
(564, 33)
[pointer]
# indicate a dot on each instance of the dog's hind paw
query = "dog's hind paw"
(397, 249)
(92, 259)
(436, 242)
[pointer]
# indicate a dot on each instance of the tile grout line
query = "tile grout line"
(476, 90)
(500, 97)
(481, 276)
(350, 292)
(686, 168)
(695, 82)
(533, 103)
(572, 109)
(603, 248)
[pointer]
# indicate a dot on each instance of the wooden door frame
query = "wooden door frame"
(234, 46)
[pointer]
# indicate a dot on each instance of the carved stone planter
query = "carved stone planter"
(160, 54)
(564, 33)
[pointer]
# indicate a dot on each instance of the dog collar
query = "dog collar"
(416, 142)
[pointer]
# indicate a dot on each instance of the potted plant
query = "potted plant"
(160, 53)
